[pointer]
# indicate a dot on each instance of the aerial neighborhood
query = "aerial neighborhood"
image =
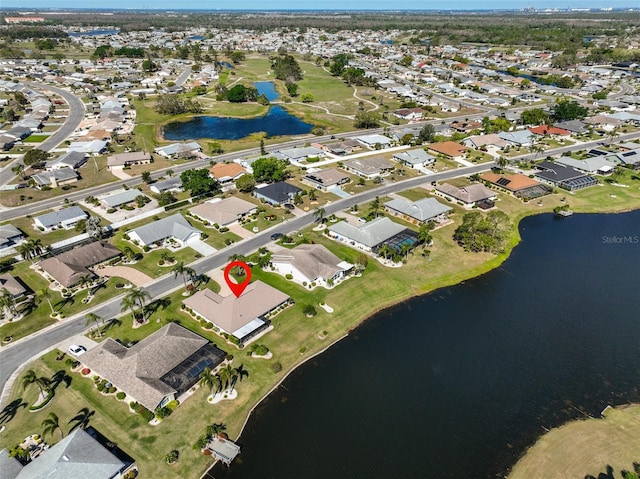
(131, 176)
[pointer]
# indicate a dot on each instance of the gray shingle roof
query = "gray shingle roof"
(63, 174)
(369, 234)
(121, 198)
(422, 210)
(61, 216)
(468, 194)
(172, 226)
(414, 157)
(77, 456)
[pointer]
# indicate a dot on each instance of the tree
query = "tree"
(483, 233)
(307, 98)
(8, 301)
(30, 377)
(565, 110)
(386, 251)
(50, 424)
(309, 310)
(210, 380)
(338, 64)
(166, 198)
(427, 133)
(181, 270)
(199, 182)
(502, 162)
(534, 116)
(286, 68)
(135, 298)
(228, 376)
(35, 158)
(241, 93)
(424, 234)
(237, 57)
(270, 169)
(374, 207)
(93, 318)
(129, 253)
(246, 183)
(215, 148)
(92, 227)
(18, 170)
(319, 215)
(146, 177)
(9, 115)
(367, 119)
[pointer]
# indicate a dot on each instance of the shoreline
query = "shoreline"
(476, 272)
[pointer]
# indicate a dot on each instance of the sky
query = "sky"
(325, 4)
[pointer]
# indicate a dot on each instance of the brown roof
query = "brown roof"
(138, 370)
(123, 159)
(449, 148)
(68, 267)
(468, 194)
(12, 285)
(510, 182)
(230, 313)
(223, 212)
(221, 171)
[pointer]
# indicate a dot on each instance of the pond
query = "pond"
(268, 89)
(276, 122)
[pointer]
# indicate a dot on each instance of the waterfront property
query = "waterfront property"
(519, 185)
(418, 212)
(68, 268)
(469, 196)
(310, 264)
(158, 369)
(174, 228)
(223, 449)
(324, 179)
(371, 236)
(597, 165)
(277, 193)
(563, 177)
(64, 218)
(242, 317)
(223, 212)
(79, 455)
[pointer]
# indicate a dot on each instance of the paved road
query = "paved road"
(16, 355)
(183, 76)
(76, 114)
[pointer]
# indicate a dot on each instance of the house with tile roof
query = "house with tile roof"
(449, 149)
(158, 369)
(325, 179)
(469, 196)
(226, 173)
(416, 158)
(418, 212)
(519, 185)
(244, 316)
(223, 212)
(370, 167)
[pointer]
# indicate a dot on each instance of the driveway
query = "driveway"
(130, 274)
(201, 247)
(240, 231)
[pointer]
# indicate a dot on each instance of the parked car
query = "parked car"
(276, 236)
(77, 350)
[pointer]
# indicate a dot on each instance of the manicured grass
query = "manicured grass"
(584, 448)
(35, 138)
(26, 224)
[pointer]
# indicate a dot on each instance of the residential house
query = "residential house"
(372, 235)
(326, 179)
(125, 197)
(597, 165)
(82, 453)
(418, 212)
(300, 154)
(472, 195)
(244, 316)
(223, 212)
(398, 135)
(173, 227)
(374, 141)
(179, 150)
(122, 160)
(69, 267)
(563, 176)
(277, 193)
(482, 141)
(415, 159)
(170, 184)
(466, 126)
(370, 167)
(517, 138)
(409, 114)
(14, 286)
(64, 218)
(574, 126)
(92, 147)
(158, 369)
(628, 158)
(519, 185)
(546, 130)
(71, 159)
(54, 178)
(310, 264)
(227, 173)
(10, 236)
(450, 149)
(342, 148)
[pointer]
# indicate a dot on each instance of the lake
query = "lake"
(459, 382)
(268, 89)
(277, 122)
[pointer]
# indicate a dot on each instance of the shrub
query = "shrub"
(172, 457)
(309, 310)
(229, 357)
(85, 371)
(288, 276)
(163, 412)
(121, 395)
(112, 389)
(224, 229)
(260, 349)
(303, 349)
(143, 411)
(276, 368)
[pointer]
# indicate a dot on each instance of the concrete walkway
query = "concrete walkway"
(130, 274)
(201, 247)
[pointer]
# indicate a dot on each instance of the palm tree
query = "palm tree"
(50, 424)
(36, 247)
(405, 249)
(374, 207)
(18, 170)
(228, 376)
(502, 162)
(211, 380)
(93, 318)
(385, 251)
(84, 280)
(135, 297)
(129, 253)
(319, 215)
(184, 271)
(44, 293)
(166, 257)
(217, 429)
(30, 378)
(424, 234)
(8, 301)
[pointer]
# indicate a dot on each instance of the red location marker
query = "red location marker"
(237, 288)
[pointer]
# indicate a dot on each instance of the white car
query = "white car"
(77, 350)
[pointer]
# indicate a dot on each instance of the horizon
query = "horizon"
(310, 6)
